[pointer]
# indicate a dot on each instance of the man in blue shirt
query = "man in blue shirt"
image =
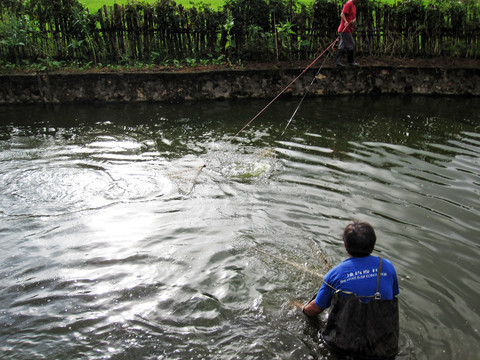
(363, 288)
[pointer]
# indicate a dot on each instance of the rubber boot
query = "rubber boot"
(351, 60)
(339, 56)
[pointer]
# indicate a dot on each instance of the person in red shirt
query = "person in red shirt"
(347, 43)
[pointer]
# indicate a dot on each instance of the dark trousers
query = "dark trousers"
(347, 45)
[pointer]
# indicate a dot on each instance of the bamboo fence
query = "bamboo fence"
(159, 32)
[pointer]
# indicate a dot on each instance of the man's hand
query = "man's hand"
(312, 309)
(345, 26)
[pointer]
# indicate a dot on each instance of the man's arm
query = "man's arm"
(312, 309)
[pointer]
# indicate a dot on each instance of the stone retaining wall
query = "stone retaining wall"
(225, 84)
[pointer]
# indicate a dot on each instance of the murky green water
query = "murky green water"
(116, 243)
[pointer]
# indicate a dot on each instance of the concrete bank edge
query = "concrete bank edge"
(88, 87)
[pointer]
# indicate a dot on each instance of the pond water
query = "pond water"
(116, 242)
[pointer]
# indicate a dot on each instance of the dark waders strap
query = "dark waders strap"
(378, 296)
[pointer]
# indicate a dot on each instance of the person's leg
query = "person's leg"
(349, 44)
(351, 58)
(339, 55)
(340, 51)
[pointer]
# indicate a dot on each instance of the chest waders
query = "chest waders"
(364, 330)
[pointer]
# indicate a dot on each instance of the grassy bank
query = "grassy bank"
(94, 5)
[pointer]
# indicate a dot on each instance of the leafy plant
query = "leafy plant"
(191, 62)
(15, 35)
(228, 26)
(456, 49)
(259, 44)
(177, 63)
(283, 32)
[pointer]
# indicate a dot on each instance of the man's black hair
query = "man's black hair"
(359, 238)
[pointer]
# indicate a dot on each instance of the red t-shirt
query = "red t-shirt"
(350, 12)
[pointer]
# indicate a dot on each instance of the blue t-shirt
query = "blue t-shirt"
(359, 275)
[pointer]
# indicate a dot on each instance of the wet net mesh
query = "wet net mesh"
(186, 179)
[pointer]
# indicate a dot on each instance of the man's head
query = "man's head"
(359, 238)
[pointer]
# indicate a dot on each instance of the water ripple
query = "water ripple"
(118, 243)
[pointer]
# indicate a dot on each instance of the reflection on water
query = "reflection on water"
(117, 242)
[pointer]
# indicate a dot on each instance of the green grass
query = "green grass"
(94, 5)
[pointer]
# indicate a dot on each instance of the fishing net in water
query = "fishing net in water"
(316, 269)
(250, 167)
(243, 167)
(186, 179)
